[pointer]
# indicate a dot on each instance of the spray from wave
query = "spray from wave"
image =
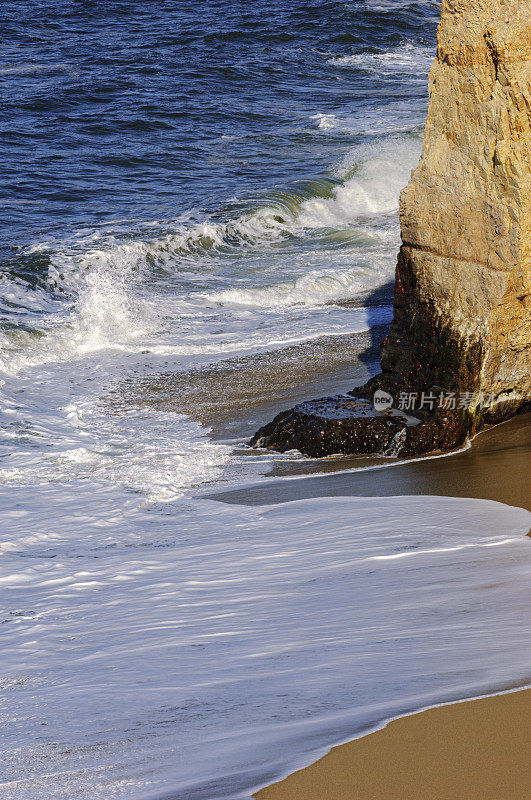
(99, 309)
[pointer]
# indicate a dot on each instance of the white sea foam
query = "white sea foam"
(156, 454)
(392, 6)
(17, 297)
(407, 117)
(325, 121)
(408, 59)
(27, 68)
(313, 289)
(125, 626)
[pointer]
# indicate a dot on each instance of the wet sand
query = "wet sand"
(497, 466)
(236, 396)
(477, 750)
(469, 751)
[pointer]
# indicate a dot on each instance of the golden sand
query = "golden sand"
(476, 750)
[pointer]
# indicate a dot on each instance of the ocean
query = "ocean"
(199, 225)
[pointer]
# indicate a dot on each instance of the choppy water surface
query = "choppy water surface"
(195, 195)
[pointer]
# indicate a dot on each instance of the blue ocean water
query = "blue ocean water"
(199, 222)
(189, 184)
(146, 111)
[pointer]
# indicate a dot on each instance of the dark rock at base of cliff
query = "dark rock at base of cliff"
(351, 425)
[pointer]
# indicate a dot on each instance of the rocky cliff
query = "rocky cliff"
(462, 315)
(462, 305)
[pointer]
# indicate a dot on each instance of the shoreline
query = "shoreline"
(492, 466)
(463, 750)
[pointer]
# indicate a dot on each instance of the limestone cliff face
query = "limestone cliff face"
(462, 317)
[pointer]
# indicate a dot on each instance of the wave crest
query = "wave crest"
(314, 288)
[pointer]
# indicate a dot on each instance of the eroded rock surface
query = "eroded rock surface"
(462, 304)
(333, 425)
(462, 310)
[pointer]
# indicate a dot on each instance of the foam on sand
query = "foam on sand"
(328, 615)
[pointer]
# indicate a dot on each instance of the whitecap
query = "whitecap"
(313, 289)
(408, 59)
(325, 121)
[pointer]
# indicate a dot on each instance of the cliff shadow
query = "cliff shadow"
(379, 306)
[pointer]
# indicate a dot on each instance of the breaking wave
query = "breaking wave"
(314, 288)
(368, 183)
(107, 292)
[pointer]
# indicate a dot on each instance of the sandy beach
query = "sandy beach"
(473, 750)
(476, 750)
(494, 467)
